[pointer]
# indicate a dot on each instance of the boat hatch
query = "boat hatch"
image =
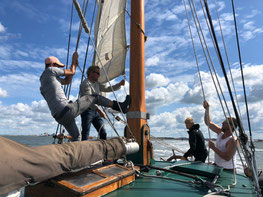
(197, 168)
(88, 182)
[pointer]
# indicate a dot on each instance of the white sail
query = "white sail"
(110, 39)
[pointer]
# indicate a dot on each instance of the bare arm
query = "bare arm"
(231, 148)
(102, 114)
(115, 87)
(69, 73)
(214, 127)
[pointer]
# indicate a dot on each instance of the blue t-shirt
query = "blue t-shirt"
(51, 89)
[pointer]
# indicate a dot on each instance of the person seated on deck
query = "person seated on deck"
(226, 144)
(63, 110)
(196, 142)
(62, 136)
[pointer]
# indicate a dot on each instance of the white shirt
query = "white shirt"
(221, 145)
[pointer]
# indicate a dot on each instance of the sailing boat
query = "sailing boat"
(153, 178)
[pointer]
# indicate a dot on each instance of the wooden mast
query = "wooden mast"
(137, 113)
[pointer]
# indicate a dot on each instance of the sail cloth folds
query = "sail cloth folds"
(21, 165)
(110, 39)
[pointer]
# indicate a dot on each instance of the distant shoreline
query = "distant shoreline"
(185, 138)
(158, 138)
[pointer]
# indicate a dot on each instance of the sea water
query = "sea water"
(162, 148)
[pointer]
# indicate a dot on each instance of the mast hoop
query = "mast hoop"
(138, 114)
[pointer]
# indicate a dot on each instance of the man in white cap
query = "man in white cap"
(63, 110)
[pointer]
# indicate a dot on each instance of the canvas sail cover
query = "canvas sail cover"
(110, 39)
(21, 165)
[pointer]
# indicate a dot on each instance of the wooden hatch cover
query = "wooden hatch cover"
(88, 182)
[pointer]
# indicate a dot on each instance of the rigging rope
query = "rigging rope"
(253, 160)
(77, 44)
(194, 11)
(232, 80)
(218, 54)
(230, 71)
(211, 72)
(192, 6)
(198, 68)
(221, 89)
(84, 23)
(241, 68)
(82, 71)
(87, 49)
(219, 83)
(137, 24)
(241, 129)
(66, 86)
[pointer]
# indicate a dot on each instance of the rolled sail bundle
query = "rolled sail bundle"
(21, 165)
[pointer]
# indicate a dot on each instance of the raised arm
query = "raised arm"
(214, 127)
(69, 73)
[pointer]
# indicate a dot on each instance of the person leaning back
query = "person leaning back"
(63, 110)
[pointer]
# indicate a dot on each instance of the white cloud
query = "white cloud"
(250, 29)
(255, 93)
(12, 65)
(170, 123)
(3, 93)
(193, 96)
(159, 97)
(156, 80)
(249, 25)
(253, 75)
(152, 61)
(253, 14)
(21, 86)
(5, 51)
(29, 10)
(2, 28)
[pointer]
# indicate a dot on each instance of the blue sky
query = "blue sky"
(30, 31)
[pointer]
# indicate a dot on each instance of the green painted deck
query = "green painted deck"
(150, 186)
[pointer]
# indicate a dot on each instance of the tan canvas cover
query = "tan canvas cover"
(20, 164)
(110, 38)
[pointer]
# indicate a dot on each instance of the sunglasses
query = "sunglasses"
(96, 72)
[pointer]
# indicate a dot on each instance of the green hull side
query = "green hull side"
(150, 187)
